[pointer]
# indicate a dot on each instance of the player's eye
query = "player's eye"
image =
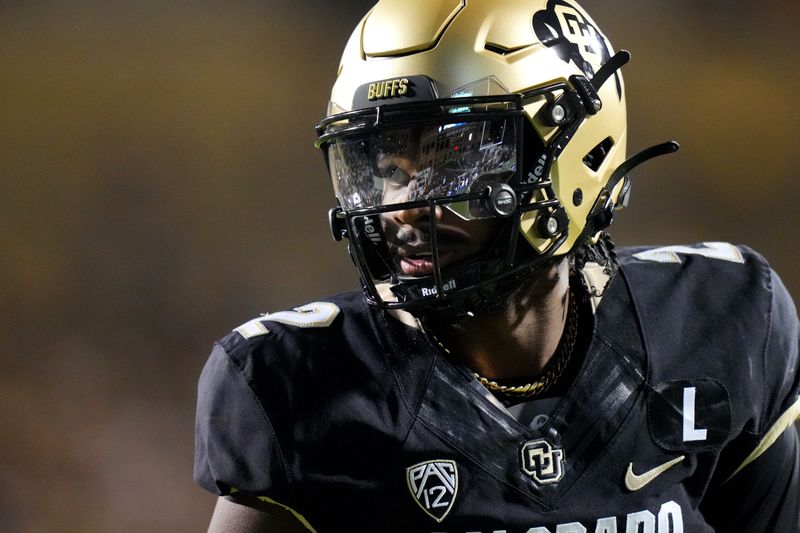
(385, 170)
(398, 177)
(393, 175)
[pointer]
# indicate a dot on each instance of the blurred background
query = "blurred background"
(159, 186)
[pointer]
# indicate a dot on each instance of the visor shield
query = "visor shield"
(417, 164)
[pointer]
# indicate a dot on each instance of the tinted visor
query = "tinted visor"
(409, 163)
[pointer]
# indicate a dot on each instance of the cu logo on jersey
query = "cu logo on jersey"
(542, 461)
(434, 485)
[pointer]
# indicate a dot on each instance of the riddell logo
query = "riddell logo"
(387, 89)
(449, 286)
(370, 228)
(538, 171)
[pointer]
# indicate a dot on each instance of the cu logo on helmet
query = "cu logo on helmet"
(572, 35)
(543, 461)
(577, 30)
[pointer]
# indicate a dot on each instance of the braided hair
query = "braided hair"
(601, 252)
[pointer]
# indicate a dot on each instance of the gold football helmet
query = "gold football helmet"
(488, 109)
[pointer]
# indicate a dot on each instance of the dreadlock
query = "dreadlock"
(601, 252)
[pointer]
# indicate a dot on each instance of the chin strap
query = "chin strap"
(616, 62)
(669, 147)
(573, 107)
(602, 212)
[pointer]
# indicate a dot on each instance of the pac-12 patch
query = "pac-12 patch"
(434, 485)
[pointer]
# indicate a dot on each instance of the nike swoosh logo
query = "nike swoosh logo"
(635, 482)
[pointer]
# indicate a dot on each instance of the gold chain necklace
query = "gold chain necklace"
(553, 370)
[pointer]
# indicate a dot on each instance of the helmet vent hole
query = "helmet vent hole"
(598, 154)
(577, 197)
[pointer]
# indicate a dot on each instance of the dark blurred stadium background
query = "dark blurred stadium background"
(159, 187)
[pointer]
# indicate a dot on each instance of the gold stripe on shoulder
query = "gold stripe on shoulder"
(782, 424)
(301, 518)
(297, 515)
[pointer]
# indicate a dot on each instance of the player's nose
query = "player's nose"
(418, 216)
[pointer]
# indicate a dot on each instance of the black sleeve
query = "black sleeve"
(762, 495)
(781, 356)
(235, 445)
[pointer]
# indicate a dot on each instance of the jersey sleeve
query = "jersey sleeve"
(763, 492)
(764, 496)
(781, 359)
(236, 448)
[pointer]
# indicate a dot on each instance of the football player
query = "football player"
(505, 368)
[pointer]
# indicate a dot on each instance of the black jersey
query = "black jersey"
(679, 418)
